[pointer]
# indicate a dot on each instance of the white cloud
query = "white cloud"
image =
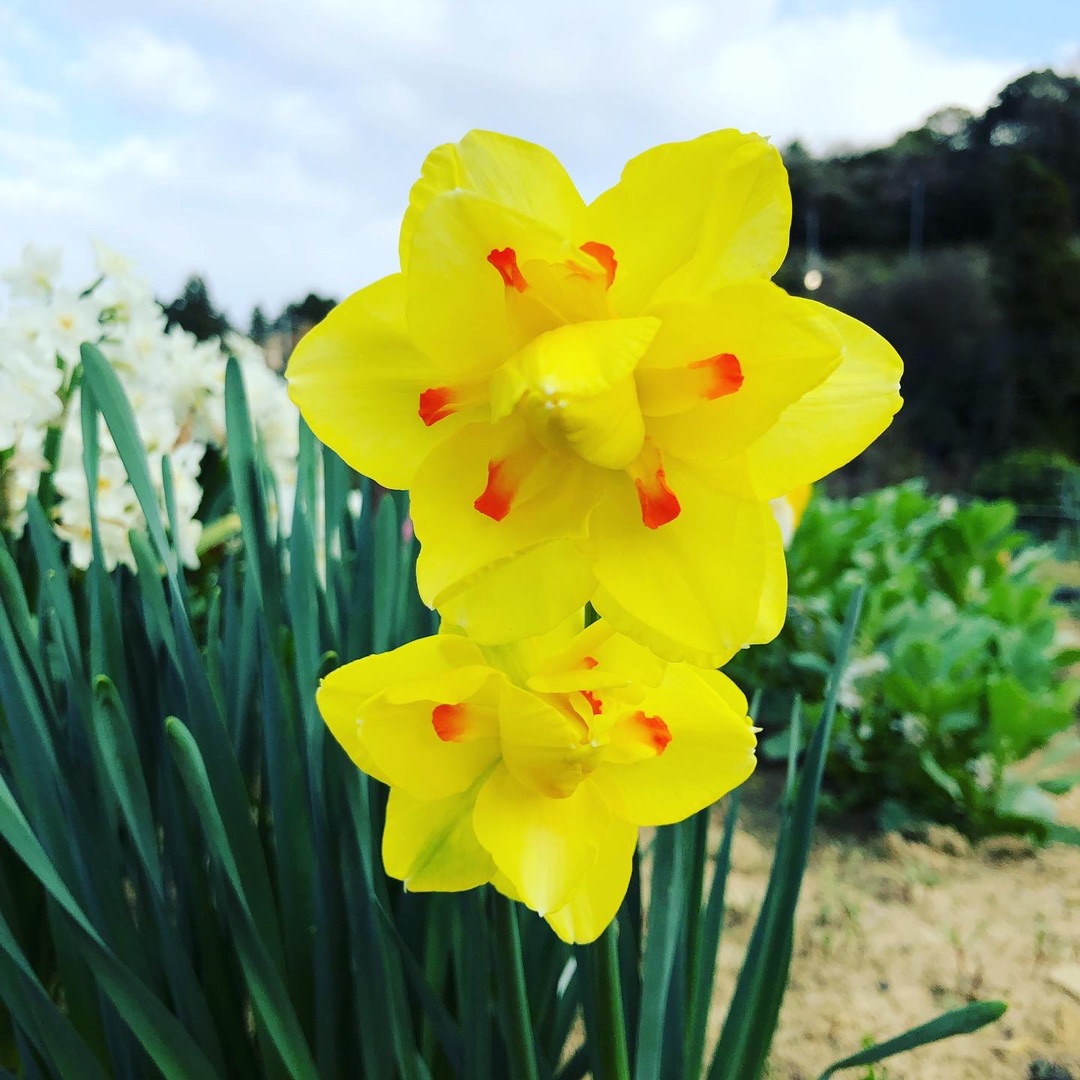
(138, 67)
(273, 149)
(856, 78)
(18, 99)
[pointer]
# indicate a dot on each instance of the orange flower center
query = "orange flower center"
(602, 424)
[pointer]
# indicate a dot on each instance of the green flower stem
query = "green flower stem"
(519, 1033)
(698, 827)
(609, 1051)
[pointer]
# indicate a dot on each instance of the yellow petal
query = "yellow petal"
(544, 748)
(444, 667)
(783, 346)
(575, 387)
(711, 751)
(431, 846)
(380, 710)
(516, 174)
(693, 588)
(599, 658)
(340, 705)
(521, 659)
(405, 743)
(772, 611)
(724, 689)
(512, 578)
(543, 846)
(525, 594)
(834, 422)
(357, 380)
(577, 361)
(595, 902)
(687, 217)
(456, 308)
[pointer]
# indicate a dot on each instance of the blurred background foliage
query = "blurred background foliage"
(959, 244)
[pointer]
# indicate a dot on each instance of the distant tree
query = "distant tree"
(193, 311)
(1039, 114)
(310, 311)
(1037, 278)
(939, 313)
(260, 326)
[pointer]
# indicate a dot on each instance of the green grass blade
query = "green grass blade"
(667, 917)
(472, 977)
(388, 559)
(160, 1033)
(794, 731)
(747, 1034)
(101, 381)
(293, 839)
(158, 620)
(268, 993)
(120, 758)
(961, 1021)
(250, 496)
(32, 1008)
(53, 577)
(703, 958)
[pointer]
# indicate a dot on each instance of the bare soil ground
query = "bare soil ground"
(891, 932)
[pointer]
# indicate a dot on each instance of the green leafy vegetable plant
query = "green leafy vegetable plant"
(957, 674)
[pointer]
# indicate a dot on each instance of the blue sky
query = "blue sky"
(271, 146)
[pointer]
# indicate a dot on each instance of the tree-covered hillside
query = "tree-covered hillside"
(958, 242)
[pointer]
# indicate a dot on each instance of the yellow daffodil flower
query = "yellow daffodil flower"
(597, 402)
(533, 765)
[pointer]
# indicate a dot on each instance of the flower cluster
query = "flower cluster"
(175, 383)
(531, 766)
(589, 404)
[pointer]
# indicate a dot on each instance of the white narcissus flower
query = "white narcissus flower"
(28, 393)
(117, 507)
(176, 386)
(33, 278)
(195, 375)
(110, 263)
(982, 771)
(20, 478)
(65, 323)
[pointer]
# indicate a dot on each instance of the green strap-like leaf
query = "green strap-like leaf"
(161, 1034)
(755, 1006)
(120, 758)
(667, 916)
(102, 382)
(703, 959)
(32, 1008)
(269, 996)
(956, 1022)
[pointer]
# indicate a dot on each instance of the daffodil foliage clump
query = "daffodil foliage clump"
(176, 386)
(960, 670)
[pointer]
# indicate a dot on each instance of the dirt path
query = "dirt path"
(891, 932)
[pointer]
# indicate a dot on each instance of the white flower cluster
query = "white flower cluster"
(175, 383)
(911, 728)
(983, 771)
(862, 667)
